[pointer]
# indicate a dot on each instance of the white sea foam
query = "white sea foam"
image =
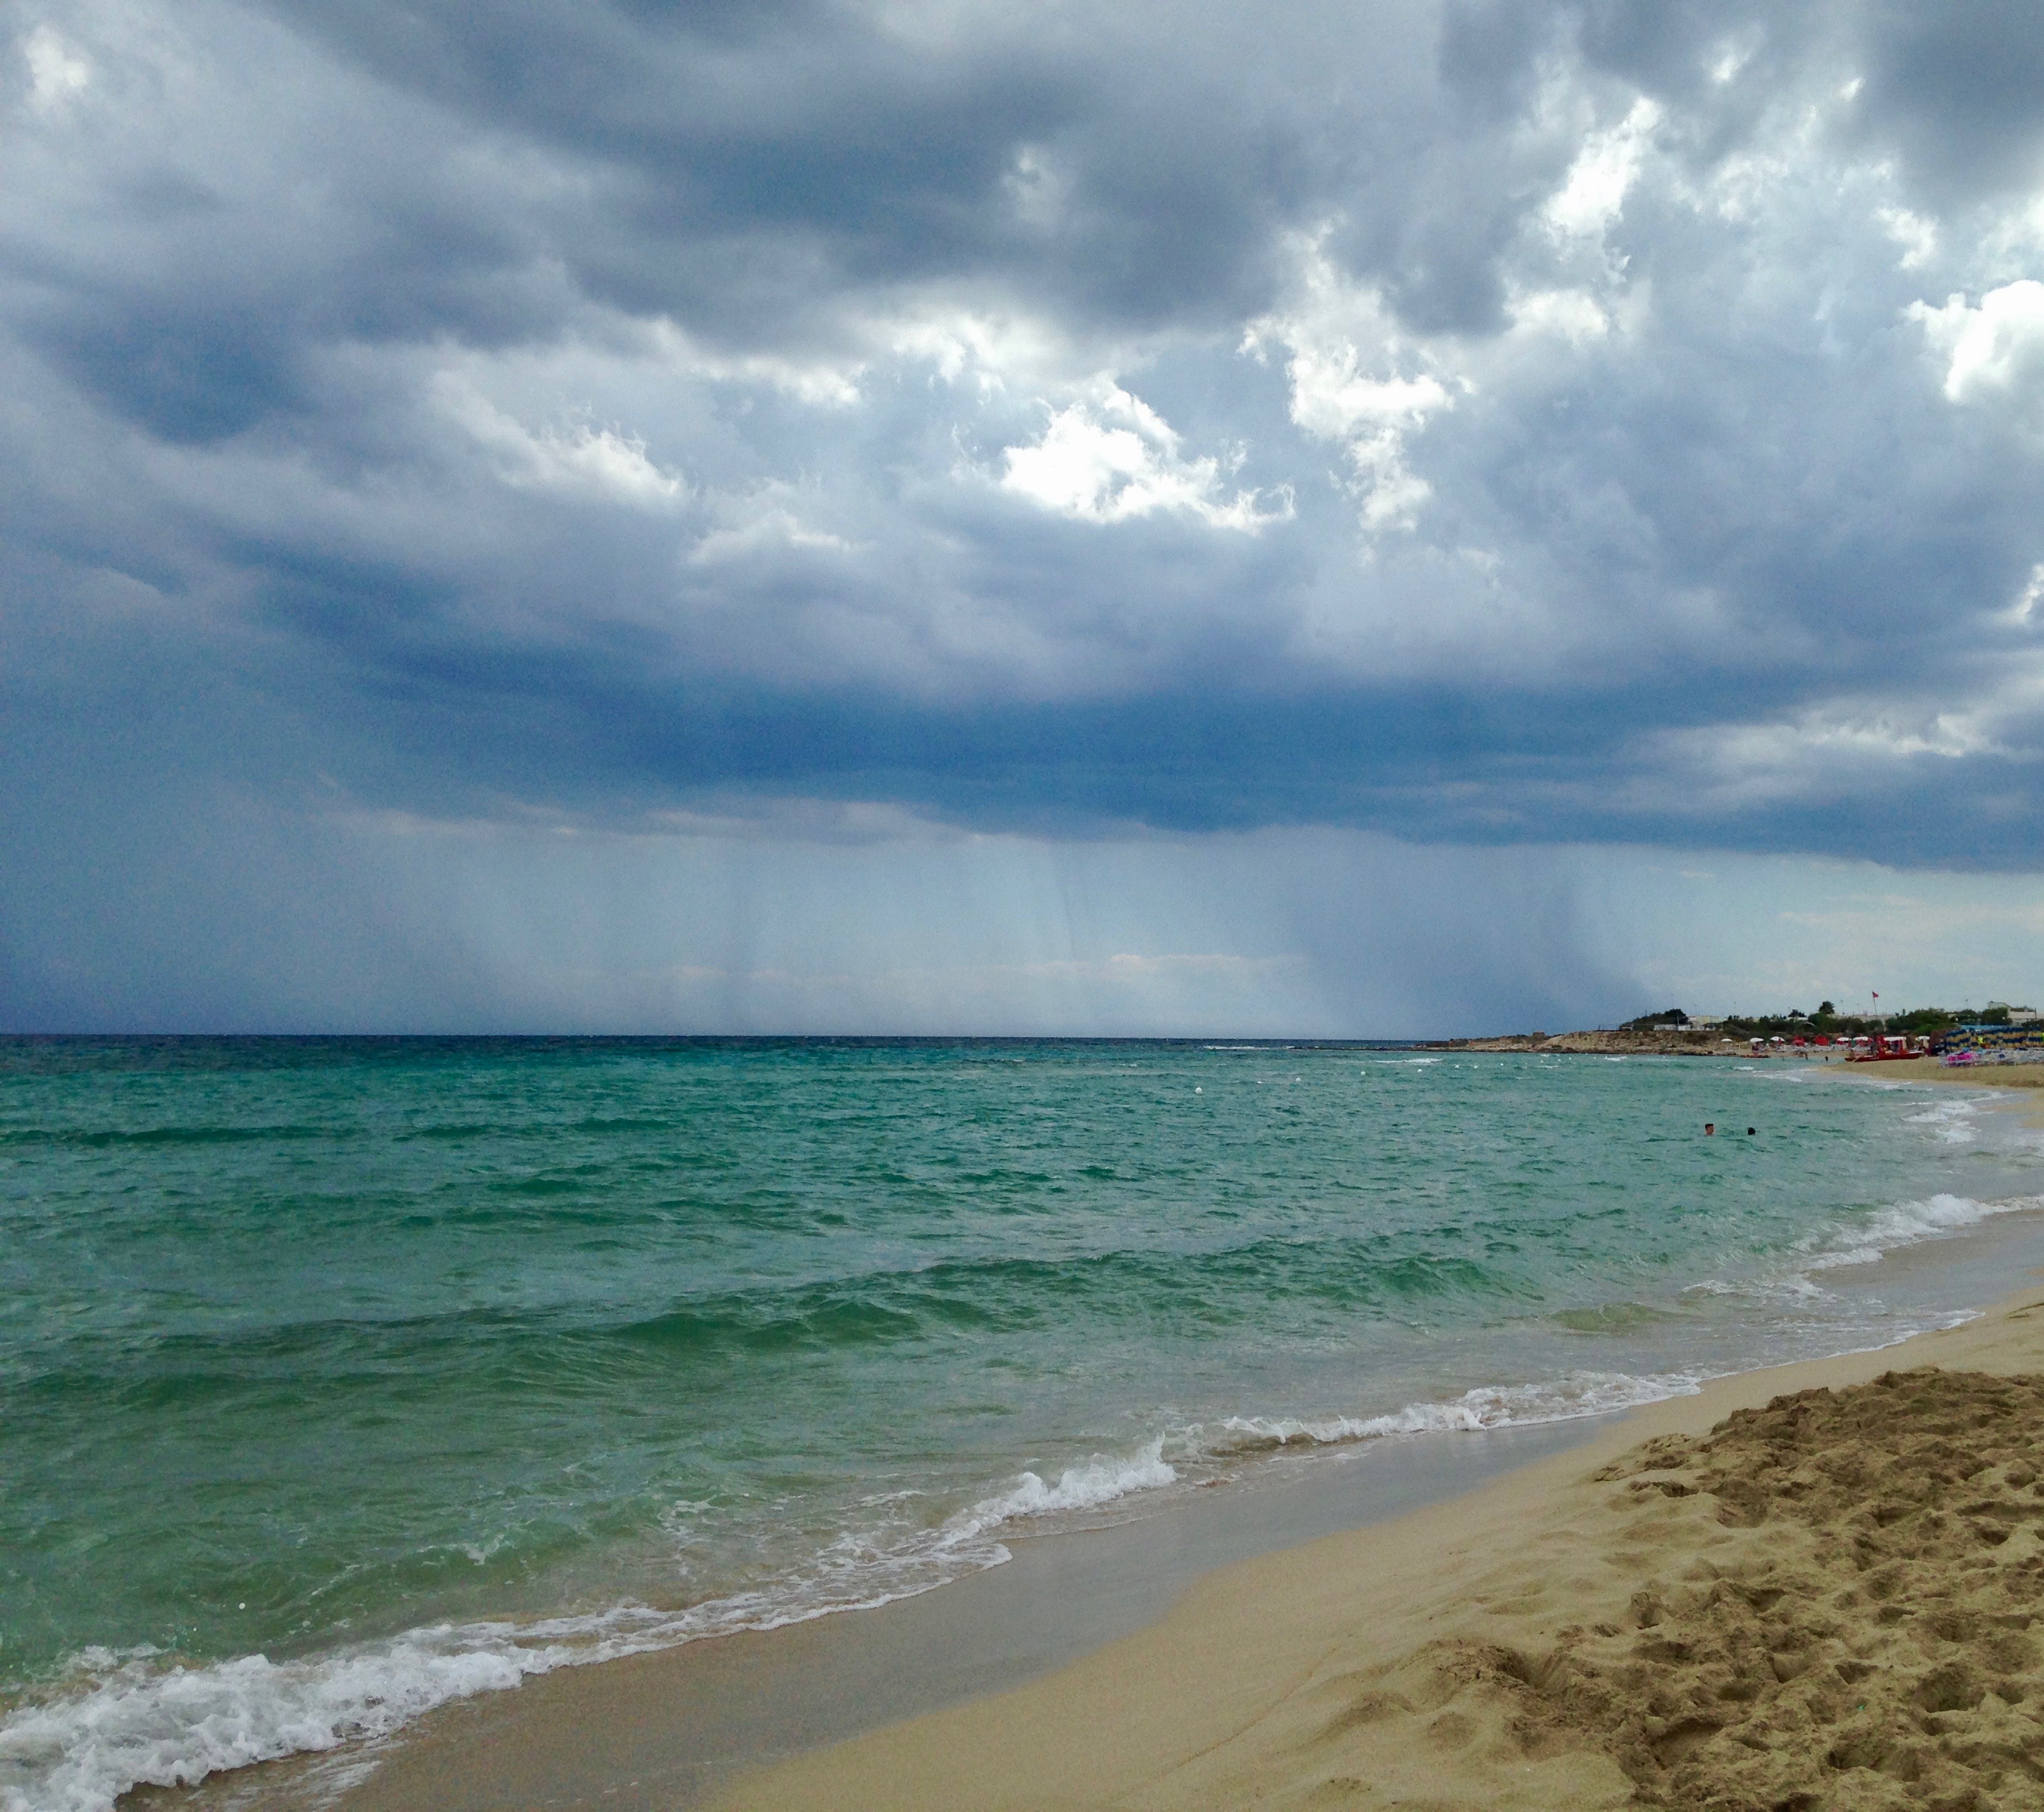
(1079, 1488)
(1957, 1122)
(1791, 1286)
(1908, 1224)
(123, 1719)
(1867, 1241)
(143, 1721)
(1488, 1407)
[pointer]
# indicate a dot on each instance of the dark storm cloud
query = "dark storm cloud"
(790, 146)
(1483, 422)
(1959, 87)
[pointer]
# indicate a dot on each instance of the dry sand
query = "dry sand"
(1809, 1588)
(1826, 1603)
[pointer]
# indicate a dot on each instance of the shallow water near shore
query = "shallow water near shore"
(341, 1379)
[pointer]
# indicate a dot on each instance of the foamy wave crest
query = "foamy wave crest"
(1867, 1241)
(142, 1722)
(1078, 1488)
(860, 1571)
(127, 1720)
(1908, 1224)
(1488, 1407)
(1955, 1122)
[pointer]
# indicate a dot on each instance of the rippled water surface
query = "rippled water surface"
(338, 1378)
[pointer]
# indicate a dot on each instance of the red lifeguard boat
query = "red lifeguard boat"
(1888, 1047)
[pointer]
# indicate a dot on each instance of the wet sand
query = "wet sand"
(1824, 1605)
(1614, 1613)
(666, 1730)
(2023, 1076)
(1828, 1604)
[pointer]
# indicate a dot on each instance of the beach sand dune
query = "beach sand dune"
(1826, 1598)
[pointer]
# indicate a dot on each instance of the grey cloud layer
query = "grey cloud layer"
(1481, 422)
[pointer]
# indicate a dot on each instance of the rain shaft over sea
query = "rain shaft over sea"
(340, 1379)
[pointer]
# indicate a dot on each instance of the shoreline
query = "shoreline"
(2022, 1077)
(677, 1726)
(1138, 1640)
(1239, 1690)
(666, 1728)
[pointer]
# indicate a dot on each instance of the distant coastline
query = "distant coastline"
(1625, 1042)
(1823, 1036)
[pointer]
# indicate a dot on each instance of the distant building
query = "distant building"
(1706, 1021)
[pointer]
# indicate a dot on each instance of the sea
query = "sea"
(341, 1378)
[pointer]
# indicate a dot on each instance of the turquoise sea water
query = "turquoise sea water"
(340, 1378)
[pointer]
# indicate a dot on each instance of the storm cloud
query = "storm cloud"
(1485, 422)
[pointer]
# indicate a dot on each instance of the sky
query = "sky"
(924, 516)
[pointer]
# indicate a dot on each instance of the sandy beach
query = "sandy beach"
(2022, 1076)
(1808, 1586)
(1813, 1588)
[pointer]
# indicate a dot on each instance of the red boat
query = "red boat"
(1889, 1047)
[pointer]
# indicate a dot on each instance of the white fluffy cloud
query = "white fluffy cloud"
(1356, 381)
(1990, 348)
(1589, 203)
(57, 70)
(1111, 458)
(605, 464)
